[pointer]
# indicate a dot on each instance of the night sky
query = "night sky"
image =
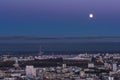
(60, 17)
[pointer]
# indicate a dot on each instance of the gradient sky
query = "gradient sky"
(59, 17)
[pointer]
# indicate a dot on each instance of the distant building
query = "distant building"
(30, 71)
(114, 67)
(91, 65)
(107, 65)
(82, 74)
(64, 65)
(110, 78)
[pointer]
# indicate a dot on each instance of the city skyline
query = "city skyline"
(59, 39)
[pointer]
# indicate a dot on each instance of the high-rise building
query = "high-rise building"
(30, 71)
(114, 67)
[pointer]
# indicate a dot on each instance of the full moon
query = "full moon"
(91, 15)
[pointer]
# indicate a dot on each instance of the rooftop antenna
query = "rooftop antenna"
(40, 52)
(16, 63)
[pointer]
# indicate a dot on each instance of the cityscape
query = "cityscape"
(61, 67)
(59, 39)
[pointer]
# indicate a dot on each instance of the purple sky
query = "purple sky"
(59, 17)
(63, 6)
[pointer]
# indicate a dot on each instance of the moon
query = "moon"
(91, 15)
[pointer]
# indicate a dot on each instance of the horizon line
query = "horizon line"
(54, 37)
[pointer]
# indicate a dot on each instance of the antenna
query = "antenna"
(40, 51)
(16, 61)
